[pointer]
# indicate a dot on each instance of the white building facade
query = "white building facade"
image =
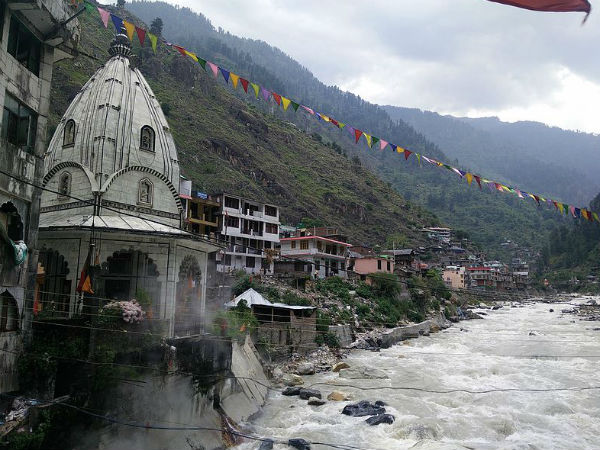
(250, 230)
(33, 36)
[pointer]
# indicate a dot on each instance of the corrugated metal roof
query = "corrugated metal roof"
(254, 298)
(117, 222)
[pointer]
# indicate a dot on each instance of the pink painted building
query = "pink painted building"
(373, 264)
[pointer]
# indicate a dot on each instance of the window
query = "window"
(19, 123)
(267, 244)
(378, 264)
(147, 139)
(9, 313)
(69, 134)
(270, 211)
(231, 202)
(24, 46)
(233, 222)
(64, 185)
(293, 244)
(145, 192)
(303, 245)
(319, 246)
(250, 262)
(389, 266)
(271, 228)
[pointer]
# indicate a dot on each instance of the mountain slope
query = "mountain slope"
(225, 144)
(489, 219)
(522, 154)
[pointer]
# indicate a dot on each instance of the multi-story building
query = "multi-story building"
(251, 231)
(367, 265)
(317, 256)
(200, 211)
(439, 234)
(33, 35)
(455, 277)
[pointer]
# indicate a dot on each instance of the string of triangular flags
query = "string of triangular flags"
(371, 140)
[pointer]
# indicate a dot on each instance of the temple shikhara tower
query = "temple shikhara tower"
(112, 176)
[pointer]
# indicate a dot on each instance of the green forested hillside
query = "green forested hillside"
(226, 144)
(489, 218)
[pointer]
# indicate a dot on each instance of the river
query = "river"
(522, 349)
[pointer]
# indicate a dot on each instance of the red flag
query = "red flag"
(85, 280)
(550, 5)
(357, 134)
(277, 97)
(244, 84)
(478, 179)
(180, 49)
(141, 34)
(407, 153)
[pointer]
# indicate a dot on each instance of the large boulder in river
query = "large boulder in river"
(305, 394)
(338, 396)
(292, 390)
(290, 379)
(267, 444)
(363, 408)
(380, 418)
(299, 444)
(339, 366)
(362, 372)
(306, 368)
(316, 401)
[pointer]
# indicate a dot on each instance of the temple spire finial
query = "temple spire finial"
(120, 45)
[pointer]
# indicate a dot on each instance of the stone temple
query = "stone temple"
(112, 180)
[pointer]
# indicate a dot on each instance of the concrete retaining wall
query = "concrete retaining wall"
(343, 333)
(396, 335)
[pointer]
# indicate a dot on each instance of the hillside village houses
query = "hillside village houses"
(33, 36)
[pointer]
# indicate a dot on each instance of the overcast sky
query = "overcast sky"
(462, 57)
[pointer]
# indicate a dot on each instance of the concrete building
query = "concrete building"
(439, 234)
(314, 256)
(33, 36)
(455, 277)
(250, 230)
(367, 265)
(113, 176)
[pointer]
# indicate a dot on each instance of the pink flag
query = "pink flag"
(382, 144)
(104, 15)
(213, 67)
(572, 209)
(308, 110)
(266, 94)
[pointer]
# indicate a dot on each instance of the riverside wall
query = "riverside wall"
(395, 335)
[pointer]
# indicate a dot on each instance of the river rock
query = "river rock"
(305, 394)
(379, 419)
(472, 315)
(292, 390)
(551, 310)
(496, 307)
(290, 379)
(316, 401)
(363, 408)
(300, 444)
(267, 444)
(339, 366)
(362, 372)
(305, 368)
(338, 396)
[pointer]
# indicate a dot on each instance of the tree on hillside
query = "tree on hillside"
(156, 26)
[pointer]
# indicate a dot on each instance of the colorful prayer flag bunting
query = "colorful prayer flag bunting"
(234, 79)
(407, 153)
(295, 105)
(286, 103)
(256, 88)
(244, 84)
(382, 144)
(130, 29)
(357, 135)
(214, 68)
(104, 15)
(225, 74)
(277, 98)
(141, 34)
(117, 22)
(469, 178)
(153, 41)
(369, 139)
(266, 94)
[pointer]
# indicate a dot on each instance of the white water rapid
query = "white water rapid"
(521, 348)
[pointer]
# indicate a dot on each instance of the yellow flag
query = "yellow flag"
(469, 178)
(399, 149)
(369, 139)
(596, 217)
(153, 41)
(256, 88)
(191, 55)
(561, 208)
(130, 29)
(234, 79)
(286, 103)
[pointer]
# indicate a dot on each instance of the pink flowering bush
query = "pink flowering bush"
(130, 311)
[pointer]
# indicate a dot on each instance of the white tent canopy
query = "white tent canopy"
(254, 298)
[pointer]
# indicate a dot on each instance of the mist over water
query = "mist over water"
(524, 347)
